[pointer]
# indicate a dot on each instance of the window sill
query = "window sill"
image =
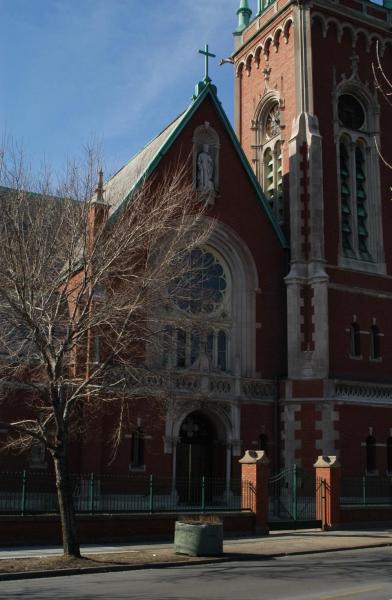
(356, 264)
(141, 469)
(372, 473)
(37, 466)
(375, 360)
(360, 357)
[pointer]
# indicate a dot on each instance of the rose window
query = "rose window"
(201, 289)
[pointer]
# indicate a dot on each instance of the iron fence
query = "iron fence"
(32, 492)
(292, 496)
(369, 489)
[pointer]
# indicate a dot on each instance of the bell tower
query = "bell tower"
(307, 114)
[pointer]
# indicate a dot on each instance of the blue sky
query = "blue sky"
(115, 70)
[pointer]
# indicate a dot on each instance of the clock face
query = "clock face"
(272, 123)
(350, 112)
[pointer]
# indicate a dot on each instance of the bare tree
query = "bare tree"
(383, 85)
(80, 287)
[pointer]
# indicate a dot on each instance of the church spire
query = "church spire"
(99, 191)
(244, 14)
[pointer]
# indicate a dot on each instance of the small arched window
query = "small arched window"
(137, 449)
(355, 339)
(38, 455)
(375, 350)
(371, 458)
(263, 442)
(389, 455)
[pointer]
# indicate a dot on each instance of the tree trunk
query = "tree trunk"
(66, 505)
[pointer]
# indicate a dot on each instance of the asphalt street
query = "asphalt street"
(358, 575)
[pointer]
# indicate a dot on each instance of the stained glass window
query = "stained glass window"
(350, 112)
(203, 286)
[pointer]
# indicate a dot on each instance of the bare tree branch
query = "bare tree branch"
(83, 291)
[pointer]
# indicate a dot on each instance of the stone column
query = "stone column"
(254, 478)
(328, 477)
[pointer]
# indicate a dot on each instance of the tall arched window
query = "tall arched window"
(269, 161)
(211, 316)
(273, 179)
(203, 295)
(371, 458)
(356, 122)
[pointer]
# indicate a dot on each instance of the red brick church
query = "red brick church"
(298, 358)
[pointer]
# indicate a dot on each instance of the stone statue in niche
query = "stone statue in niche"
(205, 170)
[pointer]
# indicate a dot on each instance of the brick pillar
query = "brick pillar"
(254, 477)
(328, 491)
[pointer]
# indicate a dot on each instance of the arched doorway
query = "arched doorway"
(200, 454)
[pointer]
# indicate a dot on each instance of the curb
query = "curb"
(164, 565)
(113, 569)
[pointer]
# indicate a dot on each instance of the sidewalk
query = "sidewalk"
(136, 556)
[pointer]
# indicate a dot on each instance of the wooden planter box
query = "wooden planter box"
(198, 539)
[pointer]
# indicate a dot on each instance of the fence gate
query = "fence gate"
(292, 499)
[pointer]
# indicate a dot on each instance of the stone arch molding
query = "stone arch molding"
(272, 40)
(242, 270)
(354, 32)
(224, 415)
(354, 86)
(269, 98)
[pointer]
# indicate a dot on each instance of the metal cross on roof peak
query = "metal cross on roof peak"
(207, 55)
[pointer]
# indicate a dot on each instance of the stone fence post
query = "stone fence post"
(254, 478)
(328, 477)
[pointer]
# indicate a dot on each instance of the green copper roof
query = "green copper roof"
(244, 14)
(120, 187)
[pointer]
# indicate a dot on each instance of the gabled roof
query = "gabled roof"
(120, 187)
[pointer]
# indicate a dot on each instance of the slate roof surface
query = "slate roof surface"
(122, 183)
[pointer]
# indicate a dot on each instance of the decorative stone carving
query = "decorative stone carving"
(327, 462)
(272, 122)
(254, 457)
(356, 391)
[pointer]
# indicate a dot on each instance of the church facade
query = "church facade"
(297, 356)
